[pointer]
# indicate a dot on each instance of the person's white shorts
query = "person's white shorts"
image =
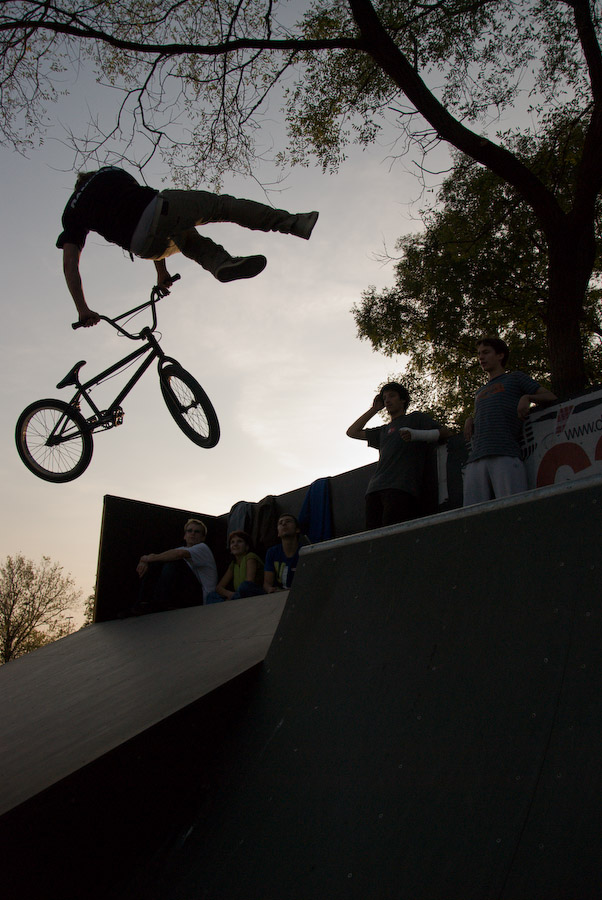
(143, 238)
(492, 477)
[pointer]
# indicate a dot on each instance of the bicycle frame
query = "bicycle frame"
(113, 415)
(107, 418)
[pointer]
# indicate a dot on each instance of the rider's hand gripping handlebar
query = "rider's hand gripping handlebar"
(155, 296)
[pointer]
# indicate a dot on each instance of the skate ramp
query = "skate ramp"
(428, 721)
(76, 700)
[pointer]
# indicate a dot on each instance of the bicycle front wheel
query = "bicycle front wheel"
(53, 440)
(189, 405)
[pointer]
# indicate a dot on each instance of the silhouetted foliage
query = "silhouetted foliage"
(480, 267)
(33, 601)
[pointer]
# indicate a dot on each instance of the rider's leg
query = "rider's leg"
(185, 209)
(215, 258)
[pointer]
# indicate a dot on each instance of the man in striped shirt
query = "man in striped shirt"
(495, 468)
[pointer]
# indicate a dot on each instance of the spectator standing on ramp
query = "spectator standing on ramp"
(495, 467)
(179, 577)
(406, 456)
(154, 225)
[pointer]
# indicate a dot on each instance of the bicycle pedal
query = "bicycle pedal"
(105, 419)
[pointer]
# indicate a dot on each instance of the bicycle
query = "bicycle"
(54, 438)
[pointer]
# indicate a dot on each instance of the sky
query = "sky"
(277, 354)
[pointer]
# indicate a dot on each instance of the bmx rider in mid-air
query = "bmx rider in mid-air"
(155, 224)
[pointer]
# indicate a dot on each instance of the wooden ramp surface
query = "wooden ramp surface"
(427, 724)
(71, 702)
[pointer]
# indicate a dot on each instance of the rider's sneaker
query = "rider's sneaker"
(301, 225)
(240, 267)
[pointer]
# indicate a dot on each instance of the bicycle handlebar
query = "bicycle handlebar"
(155, 296)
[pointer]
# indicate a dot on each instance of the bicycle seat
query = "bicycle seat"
(72, 376)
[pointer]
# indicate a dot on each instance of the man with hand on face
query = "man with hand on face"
(405, 445)
(495, 467)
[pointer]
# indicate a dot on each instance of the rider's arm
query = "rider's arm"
(269, 573)
(164, 279)
(222, 584)
(71, 254)
(469, 429)
(269, 583)
(357, 429)
(438, 435)
(540, 396)
(166, 556)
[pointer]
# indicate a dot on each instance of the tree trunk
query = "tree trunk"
(571, 261)
(566, 353)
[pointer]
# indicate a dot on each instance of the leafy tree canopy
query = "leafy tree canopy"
(193, 79)
(33, 601)
(194, 76)
(480, 267)
(479, 58)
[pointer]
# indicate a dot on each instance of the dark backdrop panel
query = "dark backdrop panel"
(131, 528)
(348, 505)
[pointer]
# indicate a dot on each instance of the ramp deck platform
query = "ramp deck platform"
(75, 700)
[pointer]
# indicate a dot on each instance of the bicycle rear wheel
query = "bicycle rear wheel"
(53, 440)
(189, 405)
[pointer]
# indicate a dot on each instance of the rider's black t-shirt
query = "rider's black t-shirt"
(110, 203)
